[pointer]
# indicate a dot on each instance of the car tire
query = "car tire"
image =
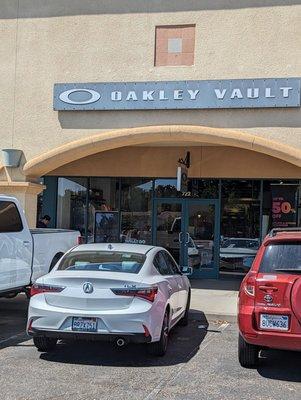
(248, 354)
(184, 320)
(44, 344)
(159, 348)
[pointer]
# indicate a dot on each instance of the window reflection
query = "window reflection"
(71, 204)
(203, 188)
(136, 195)
(240, 224)
(166, 188)
(103, 197)
(169, 225)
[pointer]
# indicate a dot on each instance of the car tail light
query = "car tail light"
(148, 293)
(80, 240)
(249, 285)
(39, 288)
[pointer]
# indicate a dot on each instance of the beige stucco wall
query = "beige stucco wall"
(48, 41)
(206, 161)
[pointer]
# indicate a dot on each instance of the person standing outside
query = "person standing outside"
(44, 222)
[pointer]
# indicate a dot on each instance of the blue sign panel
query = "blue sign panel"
(236, 93)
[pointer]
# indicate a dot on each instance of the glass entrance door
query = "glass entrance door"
(169, 227)
(201, 245)
(189, 230)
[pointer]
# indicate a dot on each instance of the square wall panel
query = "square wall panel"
(175, 45)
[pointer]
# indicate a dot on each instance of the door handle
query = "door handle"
(169, 289)
(266, 288)
(180, 237)
(187, 238)
(26, 243)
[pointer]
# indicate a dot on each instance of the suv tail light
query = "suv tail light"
(249, 284)
(39, 288)
(147, 293)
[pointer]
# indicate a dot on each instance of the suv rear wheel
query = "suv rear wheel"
(248, 354)
(44, 344)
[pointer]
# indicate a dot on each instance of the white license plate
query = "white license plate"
(80, 324)
(275, 322)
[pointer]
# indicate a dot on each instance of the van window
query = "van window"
(282, 257)
(10, 220)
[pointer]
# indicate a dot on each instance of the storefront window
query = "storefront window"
(136, 210)
(240, 224)
(203, 188)
(166, 188)
(299, 204)
(280, 205)
(103, 207)
(71, 204)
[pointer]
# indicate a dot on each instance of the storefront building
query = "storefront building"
(105, 102)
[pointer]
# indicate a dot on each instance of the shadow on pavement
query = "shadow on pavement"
(13, 317)
(183, 345)
(280, 365)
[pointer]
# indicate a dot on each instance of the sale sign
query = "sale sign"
(283, 206)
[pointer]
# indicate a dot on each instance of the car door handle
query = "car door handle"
(26, 243)
(187, 238)
(180, 237)
(169, 288)
(268, 288)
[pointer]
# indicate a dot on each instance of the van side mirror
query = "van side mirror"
(187, 270)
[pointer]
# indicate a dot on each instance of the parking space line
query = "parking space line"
(171, 377)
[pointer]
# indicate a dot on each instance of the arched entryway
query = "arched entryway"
(189, 227)
(167, 134)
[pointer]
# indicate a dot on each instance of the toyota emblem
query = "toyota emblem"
(268, 298)
(88, 287)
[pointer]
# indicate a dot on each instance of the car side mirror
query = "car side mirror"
(187, 270)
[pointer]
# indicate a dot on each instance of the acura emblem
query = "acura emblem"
(268, 298)
(88, 287)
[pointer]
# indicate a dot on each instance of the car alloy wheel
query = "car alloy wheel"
(159, 348)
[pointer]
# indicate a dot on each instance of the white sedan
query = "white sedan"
(115, 292)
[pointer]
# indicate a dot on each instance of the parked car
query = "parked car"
(113, 292)
(236, 253)
(269, 312)
(26, 254)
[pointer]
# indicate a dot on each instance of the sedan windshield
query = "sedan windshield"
(112, 261)
(282, 257)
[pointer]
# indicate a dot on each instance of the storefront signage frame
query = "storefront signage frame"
(210, 94)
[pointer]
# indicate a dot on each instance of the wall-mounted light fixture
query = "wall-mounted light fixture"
(11, 157)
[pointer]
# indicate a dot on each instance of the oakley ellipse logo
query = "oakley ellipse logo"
(88, 287)
(65, 96)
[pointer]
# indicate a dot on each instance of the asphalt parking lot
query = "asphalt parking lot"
(201, 363)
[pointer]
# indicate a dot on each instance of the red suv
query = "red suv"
(269, 307)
